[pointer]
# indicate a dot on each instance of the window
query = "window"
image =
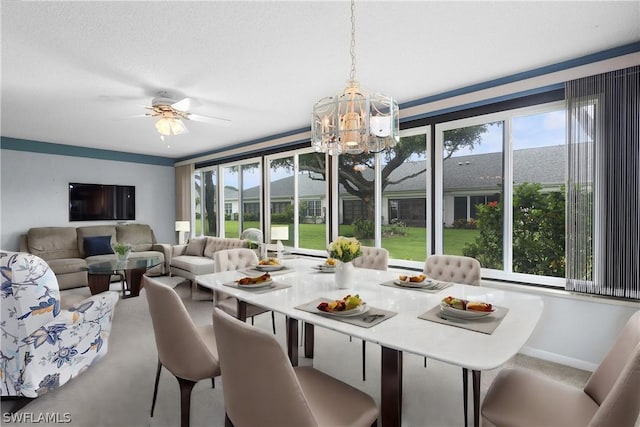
(205, 184)
(314, 208)
(228, 209)
(514, 159)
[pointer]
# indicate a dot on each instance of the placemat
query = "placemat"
(370, 318)
(437, 286)
(485, 325)
(274, 287)
(254, 270)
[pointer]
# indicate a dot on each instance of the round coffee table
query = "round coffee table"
(131, 270)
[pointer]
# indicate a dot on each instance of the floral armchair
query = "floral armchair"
(42, 346)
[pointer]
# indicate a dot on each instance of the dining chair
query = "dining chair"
(188, 351)
(611, 397)
(373, 259)
(261, 388)
(236, 259)
(456, 269)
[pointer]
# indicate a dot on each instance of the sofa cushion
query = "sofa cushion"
(53, 242)
(139, 236)
(215, 244)
(195, 247)
(194, 264)
(97, 245)
(67, 265)
(94, 230)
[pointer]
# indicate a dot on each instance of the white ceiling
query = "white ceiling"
(75, 72)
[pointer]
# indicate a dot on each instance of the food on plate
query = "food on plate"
(269, 261)
(414, 279)
(331, 262)
(463, 304)
(349, 302)
(253, 280)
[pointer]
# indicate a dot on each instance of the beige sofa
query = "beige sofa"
(196, 258)
(63, 248)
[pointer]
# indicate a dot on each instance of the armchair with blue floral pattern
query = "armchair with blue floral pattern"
(41, 345)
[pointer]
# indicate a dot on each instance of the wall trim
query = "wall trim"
(8, 143)
(558, 358)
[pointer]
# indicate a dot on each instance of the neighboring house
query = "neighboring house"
(468, 181)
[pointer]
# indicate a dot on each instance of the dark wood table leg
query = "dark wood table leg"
(134, 280)
(99, 283)
(465, 394)
(292, 340)
(475, 376)
(242, 310)
(391, 387)
(309, 340)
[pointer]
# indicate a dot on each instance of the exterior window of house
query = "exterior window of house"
(279, 207)
(314, 208)
(228, 209)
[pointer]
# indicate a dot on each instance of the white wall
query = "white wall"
(34, 192)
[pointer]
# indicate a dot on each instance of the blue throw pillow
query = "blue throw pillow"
(97, 245)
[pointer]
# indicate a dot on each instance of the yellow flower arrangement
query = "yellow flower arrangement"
(345, 249)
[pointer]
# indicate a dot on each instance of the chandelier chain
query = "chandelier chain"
(352, 76)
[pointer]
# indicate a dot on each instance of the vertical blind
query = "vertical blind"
(603, 186)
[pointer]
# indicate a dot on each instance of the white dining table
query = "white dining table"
(404, 332)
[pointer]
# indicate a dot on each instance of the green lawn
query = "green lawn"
(409, 247)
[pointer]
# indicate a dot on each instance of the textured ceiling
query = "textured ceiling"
(75, 72)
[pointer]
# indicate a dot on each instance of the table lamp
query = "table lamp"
(280, 233)
(182, 227)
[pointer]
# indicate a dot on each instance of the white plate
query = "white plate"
(257, 285)
(447, 310)
(348, 313)
(324, 268)
(269, 267)
(407, 284)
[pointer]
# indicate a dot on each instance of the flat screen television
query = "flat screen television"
(98, 202)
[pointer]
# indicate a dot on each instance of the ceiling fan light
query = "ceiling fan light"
(170, 126)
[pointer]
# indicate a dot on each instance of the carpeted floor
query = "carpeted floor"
(117, 390)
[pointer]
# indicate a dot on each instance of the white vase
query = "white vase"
(344, 275)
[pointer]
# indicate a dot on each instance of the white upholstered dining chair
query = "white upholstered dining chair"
(611, 397)
(188, 351)
(457, 269)
(373, 259)
(261, 388)
(236, 259)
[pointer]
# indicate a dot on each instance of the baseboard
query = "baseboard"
(558, 358)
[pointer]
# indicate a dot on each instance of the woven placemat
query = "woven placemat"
(435, 288)
(273, 287)
(370, 318)
(485, 325)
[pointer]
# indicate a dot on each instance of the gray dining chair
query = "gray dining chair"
(611, 397)
(261, 388)
(237, 259)
(456, 269)
(188, 351)
(373, 259)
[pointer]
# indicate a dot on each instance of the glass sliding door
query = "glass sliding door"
(282, 195)
(242, 197)
(206, 184)
(312, 201)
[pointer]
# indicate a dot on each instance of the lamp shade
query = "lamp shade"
(183, 226)
(280, 232)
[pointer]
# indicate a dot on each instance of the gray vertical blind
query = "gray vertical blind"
(603, 184)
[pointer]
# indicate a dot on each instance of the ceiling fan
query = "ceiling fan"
(171, 113)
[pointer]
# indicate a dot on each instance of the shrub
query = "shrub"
(363, 228)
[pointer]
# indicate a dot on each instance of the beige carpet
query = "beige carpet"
(117, 390)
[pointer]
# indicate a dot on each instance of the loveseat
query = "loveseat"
(196, 258)
(68, 250)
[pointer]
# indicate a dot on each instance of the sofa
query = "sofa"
(44, 345)
(196, 258)
(68, 250)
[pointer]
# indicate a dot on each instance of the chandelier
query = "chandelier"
(354, 121)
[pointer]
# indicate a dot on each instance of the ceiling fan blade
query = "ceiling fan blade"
(208, 119)
(182, 105)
